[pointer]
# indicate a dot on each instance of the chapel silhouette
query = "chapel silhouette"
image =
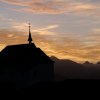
(25, 64)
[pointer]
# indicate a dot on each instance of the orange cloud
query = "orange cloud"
(66, 48)
(57, 6)
(40, 6)
(15, 2)
(46, 30)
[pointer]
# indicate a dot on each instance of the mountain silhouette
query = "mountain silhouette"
(54, 58)
(67, 69)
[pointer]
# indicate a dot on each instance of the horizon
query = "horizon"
(66, 29)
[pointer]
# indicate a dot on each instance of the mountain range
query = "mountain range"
(67, 69)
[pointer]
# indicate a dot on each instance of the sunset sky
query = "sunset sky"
(67, 29)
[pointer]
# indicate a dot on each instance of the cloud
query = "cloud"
(57, 6)
(66, 47)
(93, 37)
(50, 46)
(15, 2)
(62, 46)
(44, 30)
(85, 8)
(2, 46)
(96, 30)
(49, 27)
(49, 7)
(41, 6)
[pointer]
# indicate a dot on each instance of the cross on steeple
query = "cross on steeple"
(30, 37)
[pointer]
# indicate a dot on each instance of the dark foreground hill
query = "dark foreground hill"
(68, 85)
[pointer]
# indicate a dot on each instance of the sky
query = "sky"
(67, 29)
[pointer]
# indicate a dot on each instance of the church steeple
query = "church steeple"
(30, 37)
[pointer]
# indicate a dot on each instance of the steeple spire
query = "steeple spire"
(30, 37)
